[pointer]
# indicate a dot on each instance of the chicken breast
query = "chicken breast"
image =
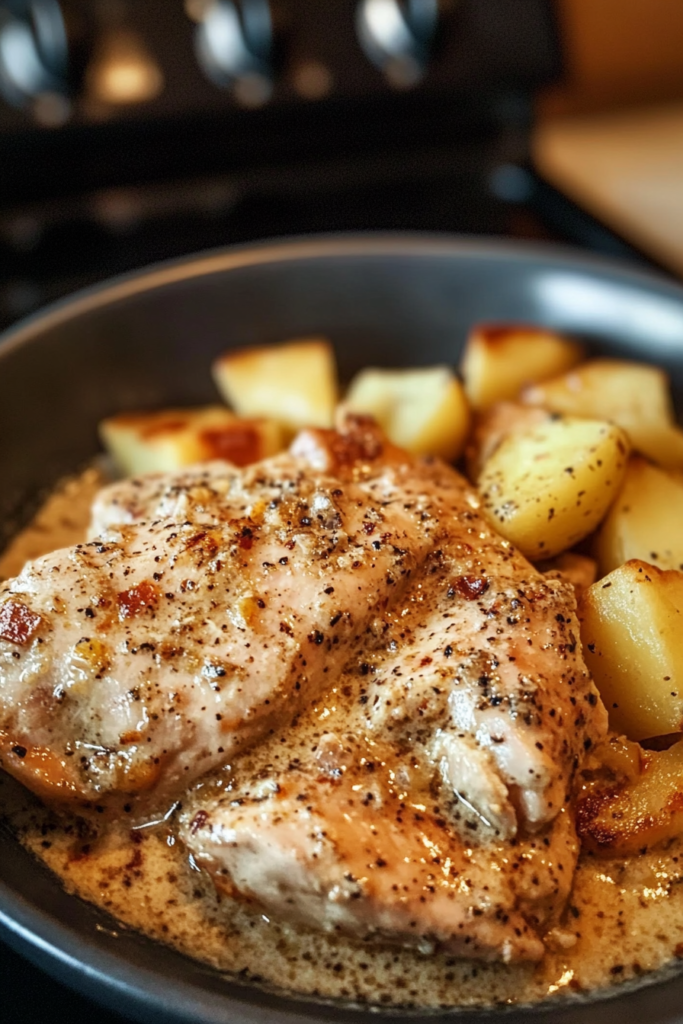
(479, 668)
(196, 490)
(423, 797)
(391, 699)
(363, 848)
(224, 601)
(485, 676)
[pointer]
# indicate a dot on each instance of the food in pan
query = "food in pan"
(633, 396)
(167, 440)
(329, 715)
(295, 383)
(500, 360)
(423, 410)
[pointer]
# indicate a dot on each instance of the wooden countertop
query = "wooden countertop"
(626, 169)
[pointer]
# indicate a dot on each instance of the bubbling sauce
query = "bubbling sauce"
(624, 917)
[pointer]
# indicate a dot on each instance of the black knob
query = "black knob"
(234, 42)
(34, 57)
(396, 35)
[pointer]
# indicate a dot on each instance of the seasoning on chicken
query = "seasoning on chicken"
(357, 852)
(218, 605)
(400, 695)
(434, 808)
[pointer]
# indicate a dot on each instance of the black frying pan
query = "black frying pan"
(148, 340)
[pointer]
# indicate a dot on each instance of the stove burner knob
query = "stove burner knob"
(34, 53)
(234, 41)
(396, 35)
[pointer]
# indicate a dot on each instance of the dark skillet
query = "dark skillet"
(148, 340)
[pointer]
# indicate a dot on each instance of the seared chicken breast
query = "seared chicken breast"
(348, 607)
(144, 658)
(364, 850)
(422, 798)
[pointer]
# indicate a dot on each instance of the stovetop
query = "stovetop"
(52, 249)
(142, 132)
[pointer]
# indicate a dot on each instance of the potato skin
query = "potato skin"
(645, 521)
(632, 635)
(548, 487)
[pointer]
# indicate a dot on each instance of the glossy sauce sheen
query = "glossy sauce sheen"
(624, 918)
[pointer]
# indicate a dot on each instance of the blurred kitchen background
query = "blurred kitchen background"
(137, 130)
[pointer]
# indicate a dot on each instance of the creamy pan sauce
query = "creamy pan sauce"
(624, 917)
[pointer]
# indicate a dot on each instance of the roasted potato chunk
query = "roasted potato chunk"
(493, 426)
(548, 487)
(646, 520)
(635, 802)
(632, 634)
(500, 359)
(632, 395)
(295, 382)
(422, 410)
(148, 442)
